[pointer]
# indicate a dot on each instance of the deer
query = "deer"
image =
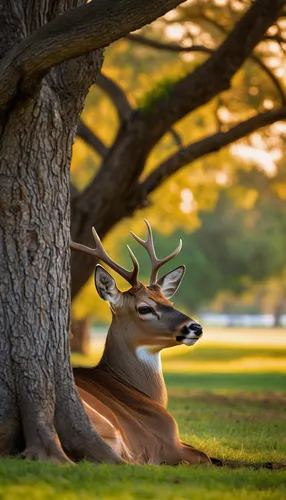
(125, 395)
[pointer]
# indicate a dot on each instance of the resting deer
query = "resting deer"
(125, 394)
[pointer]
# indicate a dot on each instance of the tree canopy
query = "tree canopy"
(206, 88)
(197, 152)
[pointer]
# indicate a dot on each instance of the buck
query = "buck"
(125, 394)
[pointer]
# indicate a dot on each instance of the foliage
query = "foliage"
(162, 89)
(145, 73)
(240, 244)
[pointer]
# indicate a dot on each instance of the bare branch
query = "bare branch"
(173, 47)
(177, 138)
(272, 77)
(119, 99)
(77, 32)
(91, 139)
(208, 145)
(255, 57)
(117, 95)
(216, 113)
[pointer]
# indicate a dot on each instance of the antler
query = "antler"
(149, 246)
(100, 253)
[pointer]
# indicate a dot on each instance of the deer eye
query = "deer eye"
(145, 310)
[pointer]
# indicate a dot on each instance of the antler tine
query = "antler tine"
(100, 253)
(149, 246)
(78, 247)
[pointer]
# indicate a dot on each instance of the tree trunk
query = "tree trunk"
(79, 335)
(278, 312)
(40, 409)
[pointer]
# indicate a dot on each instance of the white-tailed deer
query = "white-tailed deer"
(125, 394)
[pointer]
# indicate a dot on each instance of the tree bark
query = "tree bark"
(78, 31)
(41, 413)
(80, 335)
(37, 379)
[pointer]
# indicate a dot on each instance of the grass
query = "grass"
(85, 482)
(238, 413)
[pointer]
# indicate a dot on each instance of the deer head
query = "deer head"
(143, 314)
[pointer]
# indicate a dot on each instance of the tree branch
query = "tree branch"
(208, 145)
(215, 74)
(119, 99)
(173, 47)
(117, 95)
(117, 178)
(91, 139)
(79, 31)
(177, 138)
(272, 77)
(255, 57)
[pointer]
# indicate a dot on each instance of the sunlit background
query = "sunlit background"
(228, 207)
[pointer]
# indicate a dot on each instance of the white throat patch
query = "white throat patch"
(151, 359)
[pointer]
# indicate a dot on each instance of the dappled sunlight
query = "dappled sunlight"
(263, 159)
(188, 203)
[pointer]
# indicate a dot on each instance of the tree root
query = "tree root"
(237, 464)
(52, 428)
(43, 444)
(51, 453)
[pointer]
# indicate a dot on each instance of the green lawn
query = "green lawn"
(235, 414)
(28, 481)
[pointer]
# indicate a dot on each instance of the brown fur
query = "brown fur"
(130, 392)
(147, 430)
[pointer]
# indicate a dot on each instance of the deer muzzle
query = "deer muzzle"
(190, 333)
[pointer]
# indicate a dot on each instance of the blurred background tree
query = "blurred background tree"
(185, 128)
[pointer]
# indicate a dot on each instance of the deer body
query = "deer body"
(148, 433)
(125, 394)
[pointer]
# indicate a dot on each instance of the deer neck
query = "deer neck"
(138, 367)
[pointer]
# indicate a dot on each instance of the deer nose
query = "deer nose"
(197, 329)
(194, 328)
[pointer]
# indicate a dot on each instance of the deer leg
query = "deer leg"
(192, 456)
(185, 454)
(77, 435)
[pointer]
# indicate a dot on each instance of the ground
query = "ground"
(229, 399)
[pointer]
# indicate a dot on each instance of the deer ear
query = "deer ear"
(106, 286)
(171, 281)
